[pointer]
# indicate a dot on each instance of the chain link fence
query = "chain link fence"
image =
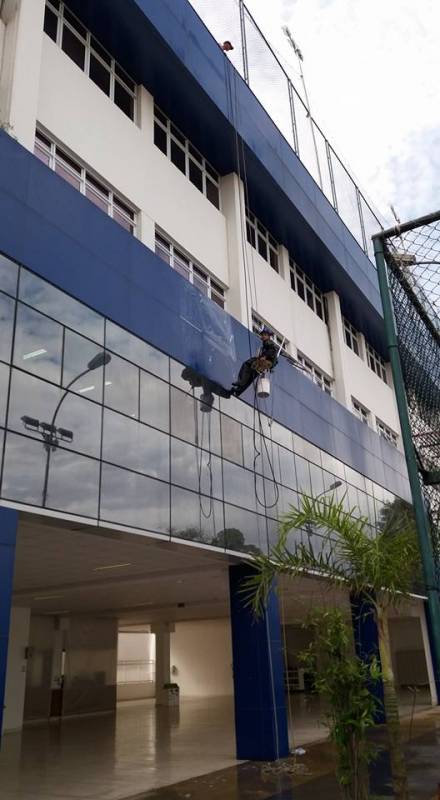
(412, 255)
(260, 67)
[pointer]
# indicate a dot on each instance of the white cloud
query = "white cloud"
(372, 69)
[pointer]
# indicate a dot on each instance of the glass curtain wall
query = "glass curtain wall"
(96, 423)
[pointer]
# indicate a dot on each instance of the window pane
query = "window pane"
(100, 50)
(135, 446)
(50, 23)
(287, 466)
(134, 500)
(183, 415)
(97, 199)
(4, 381)
(73, 484)
(124, 77)
(60, 306)
(66, 173)
(7, 307)
(160, 138)
(196, 175)
(42, 154)
(124, 100)
(121, 386)
(136, 350)
(8, 275)
(122, 220)
(78, 353)
(155, 402)
(77, 421)
(262, 247)
(273, 257)
(239, 486)
(195, 469)
(75, 23)
(99, 74)
(178, 156)
(38, 344)
(212, 193)
(196, 519)
(244, 531)
(302, 475)
(231, 439)
(73, 47)
(23, 470)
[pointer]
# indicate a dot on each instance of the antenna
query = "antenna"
(287, 33)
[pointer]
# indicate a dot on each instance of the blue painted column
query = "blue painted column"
(258, 665)
(8, 535)
(435, 664)
(367, 643)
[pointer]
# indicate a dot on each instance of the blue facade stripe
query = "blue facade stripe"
(59, 234)
(367, 644)
(258, 667)
(8, 534)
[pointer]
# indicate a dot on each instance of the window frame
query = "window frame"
(316, 374)
(361, 412)
(351, 337)
(386, 432)
(58, 155)
(192, 156)
(117, 74)
(257, 234)
(186, 264)
(299, 278)
(376, 363)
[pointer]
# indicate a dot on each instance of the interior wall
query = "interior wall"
(136, 680)
(201, 658)
(16, 669)
(39, 667)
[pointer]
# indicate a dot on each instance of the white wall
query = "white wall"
(202, 653)
(16, 669)
(124, 154)
(364, 385)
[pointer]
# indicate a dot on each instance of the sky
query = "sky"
(372, 71)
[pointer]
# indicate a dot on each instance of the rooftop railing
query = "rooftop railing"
(260, 67)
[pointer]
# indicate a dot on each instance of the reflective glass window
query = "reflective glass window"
(136, 350)
(23, 485)
(196, 518)
(316, 479)
(38, 344)
(124, 99)
(239, 486)
(135, 446)
(73, 484)
(252, 448)
(183, 415)
(287, 498)
(208, 430)
(60, 306)
(8, 275)
(155, 402)
(99, 74)
(231, 439)
(73, 47)
(121, 387)
(244, 531)
(4, 381)
(271, 460)
(195, 469)
(7, 308)
(77, 422)
(78, 354)
(302, 475)
(134, 500)
(287, 466)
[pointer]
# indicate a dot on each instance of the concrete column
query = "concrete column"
(432, 667)
(8, 535)
(20, 67)
(233, 208)
(284, 264)
(146, 124)
(162, 631)
(367, 643)
(258, 666)
(337, 345)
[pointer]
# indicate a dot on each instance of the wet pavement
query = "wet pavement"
(310, 777)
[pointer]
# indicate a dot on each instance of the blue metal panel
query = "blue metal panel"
(166, 47)
(435, 665)
(367, 643)
(8, 533)
(259, 695)
(55, 231)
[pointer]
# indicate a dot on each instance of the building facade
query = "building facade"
(152, 217)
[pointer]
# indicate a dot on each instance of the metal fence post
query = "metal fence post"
(422, 521)
(243, 42)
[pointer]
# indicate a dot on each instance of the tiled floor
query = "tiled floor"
(137, 750)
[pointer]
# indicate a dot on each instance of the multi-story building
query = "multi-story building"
(152, 216)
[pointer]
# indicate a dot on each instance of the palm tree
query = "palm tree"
(379, 568)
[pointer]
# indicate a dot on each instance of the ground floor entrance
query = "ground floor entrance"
(122, 671)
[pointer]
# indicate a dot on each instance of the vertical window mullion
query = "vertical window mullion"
(87, 55)
(112, 80)
(60, 15)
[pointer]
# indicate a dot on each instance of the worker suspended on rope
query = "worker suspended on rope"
(265, 360)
